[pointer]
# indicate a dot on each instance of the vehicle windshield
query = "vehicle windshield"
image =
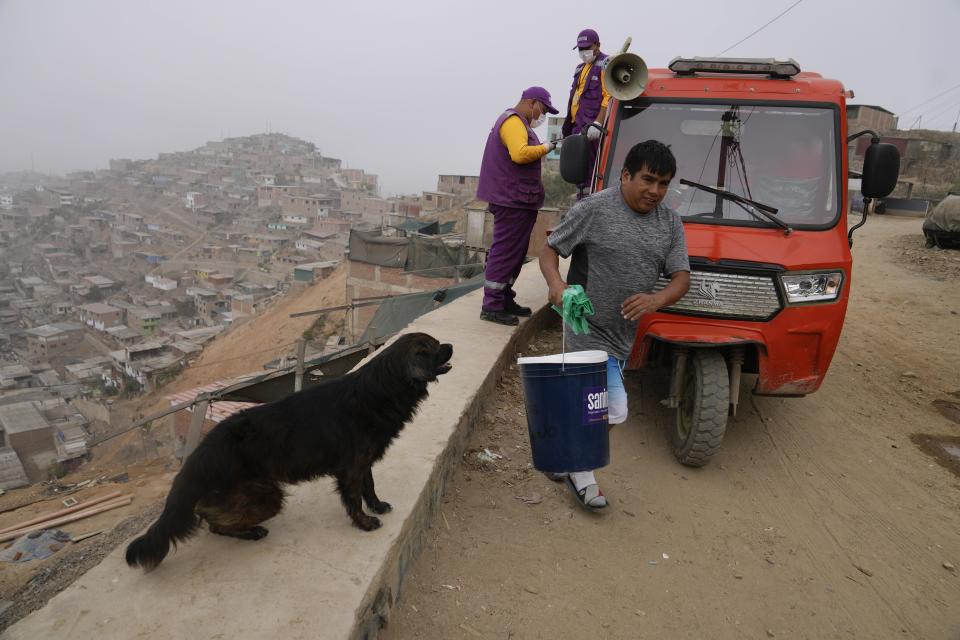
(780, 156)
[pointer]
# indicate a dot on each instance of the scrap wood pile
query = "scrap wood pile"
(64, 516)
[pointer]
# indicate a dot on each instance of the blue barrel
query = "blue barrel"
(566, 399)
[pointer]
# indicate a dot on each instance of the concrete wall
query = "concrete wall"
(30, 445)
(870, 118)
(479, 229)
(352, 200)
(44, 347)
(98, 415)
(462, 186)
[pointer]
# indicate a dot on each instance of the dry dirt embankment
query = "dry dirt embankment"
(243, 350)
(266, 336)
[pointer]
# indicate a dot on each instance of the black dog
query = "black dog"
(340, 428)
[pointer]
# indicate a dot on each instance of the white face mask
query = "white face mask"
(586, 55)
(539, 121)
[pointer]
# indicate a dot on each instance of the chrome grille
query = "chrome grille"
(727, 294)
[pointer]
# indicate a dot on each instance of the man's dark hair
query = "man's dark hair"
(652, 154)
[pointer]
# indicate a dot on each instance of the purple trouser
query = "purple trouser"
(511, 237)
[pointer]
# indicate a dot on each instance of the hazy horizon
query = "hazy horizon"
(405, 92)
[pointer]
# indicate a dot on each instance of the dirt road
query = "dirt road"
(818, 519)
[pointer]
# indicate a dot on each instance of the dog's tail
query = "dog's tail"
(177, 522)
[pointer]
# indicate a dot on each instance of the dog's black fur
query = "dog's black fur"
(340, 428)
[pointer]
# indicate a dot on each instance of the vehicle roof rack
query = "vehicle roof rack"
(781, 69)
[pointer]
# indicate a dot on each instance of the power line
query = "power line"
(946, 110)
(928, 100)
(780, 15)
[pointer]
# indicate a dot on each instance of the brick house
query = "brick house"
(100, 316)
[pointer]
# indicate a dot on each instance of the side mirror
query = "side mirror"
(881, 168)
(575, 159)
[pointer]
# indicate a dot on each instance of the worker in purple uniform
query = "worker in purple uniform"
(588, 93)
(510, 182)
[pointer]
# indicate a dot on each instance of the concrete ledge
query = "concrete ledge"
(374, 612)
(314, 576)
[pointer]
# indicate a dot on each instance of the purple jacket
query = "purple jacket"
(590, 99)
(503, 181)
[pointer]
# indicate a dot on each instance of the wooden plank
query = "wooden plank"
(84, 536)
(62, 512)
(80, 515)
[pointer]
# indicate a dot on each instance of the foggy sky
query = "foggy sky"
(404, 89)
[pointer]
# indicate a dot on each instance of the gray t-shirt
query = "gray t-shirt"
(617, 252)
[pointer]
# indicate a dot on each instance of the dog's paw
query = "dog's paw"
(369, 523)
(258, 533)
(381, 507)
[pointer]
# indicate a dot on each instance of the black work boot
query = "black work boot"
(500, 317)
(516, 310)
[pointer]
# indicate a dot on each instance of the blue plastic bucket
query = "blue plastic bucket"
(566, 399)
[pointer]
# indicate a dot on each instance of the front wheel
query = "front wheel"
(701, 417)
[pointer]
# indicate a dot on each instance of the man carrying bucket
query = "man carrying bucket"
(510, 182)
(621, 240)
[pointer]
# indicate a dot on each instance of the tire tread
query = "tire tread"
(710, 414)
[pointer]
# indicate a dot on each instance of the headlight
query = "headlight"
(812, 287)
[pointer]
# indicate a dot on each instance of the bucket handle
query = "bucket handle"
(563, 346)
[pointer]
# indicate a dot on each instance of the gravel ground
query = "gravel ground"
(70, 565)
(939, 264)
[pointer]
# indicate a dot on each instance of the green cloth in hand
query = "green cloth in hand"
(576, 308)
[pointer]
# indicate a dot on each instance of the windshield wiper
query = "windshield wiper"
(758, 210)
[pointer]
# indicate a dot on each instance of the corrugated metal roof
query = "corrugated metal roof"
(216, 411)
(415, 225)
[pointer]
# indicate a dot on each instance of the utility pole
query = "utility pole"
(301, 354)
(196, 427)
(955, 122)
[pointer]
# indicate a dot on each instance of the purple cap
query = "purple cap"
(587, 38)
(541, 94)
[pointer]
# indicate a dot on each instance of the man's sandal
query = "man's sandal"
(590, 497)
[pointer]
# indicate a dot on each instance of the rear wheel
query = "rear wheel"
(701, 417)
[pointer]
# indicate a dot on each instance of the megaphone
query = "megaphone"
(625, 75)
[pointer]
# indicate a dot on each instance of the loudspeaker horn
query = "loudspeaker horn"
(625, 75)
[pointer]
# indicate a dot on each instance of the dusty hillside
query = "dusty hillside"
(245, 348)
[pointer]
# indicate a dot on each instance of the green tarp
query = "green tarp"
(394, 314)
